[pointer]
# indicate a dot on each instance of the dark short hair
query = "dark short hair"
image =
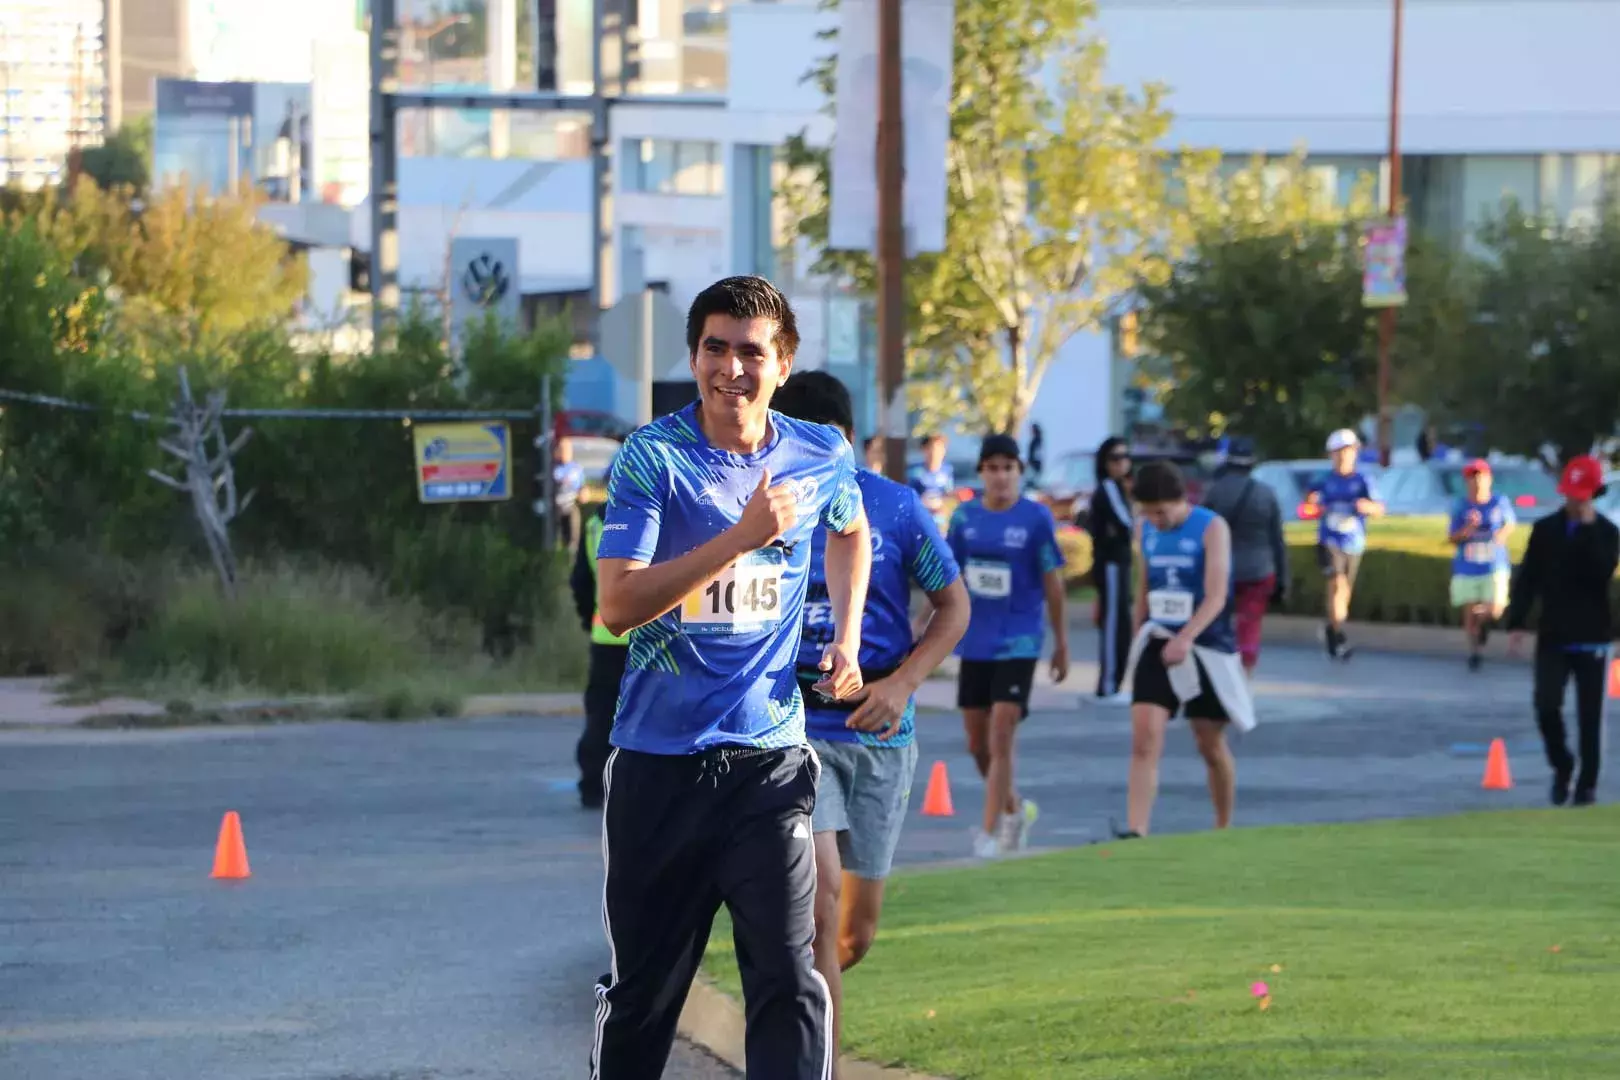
(1159, 482)
(817, 397)
(999, 445)
(746, 296)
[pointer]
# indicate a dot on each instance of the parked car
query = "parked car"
(1433, 488)
(1292, 480)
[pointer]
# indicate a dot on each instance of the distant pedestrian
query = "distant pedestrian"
(1480, 525)
(1109, 521)
(606, 670)
(568, 480)
(1037, 451)
(1183, 659)
(1260, 573)
(1344, 498)
(1568, 566)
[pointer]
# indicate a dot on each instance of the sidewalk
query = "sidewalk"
(35, 704)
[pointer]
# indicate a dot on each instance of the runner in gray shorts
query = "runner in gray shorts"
(867, 744)
(863, 795)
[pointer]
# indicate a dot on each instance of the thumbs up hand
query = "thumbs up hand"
(770, 512)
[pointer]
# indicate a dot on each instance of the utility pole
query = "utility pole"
(1386, 323)
(384, 169)
(894, 418)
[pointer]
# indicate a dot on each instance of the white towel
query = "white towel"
(1225, 675)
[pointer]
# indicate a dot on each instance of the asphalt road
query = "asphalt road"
(425, 897)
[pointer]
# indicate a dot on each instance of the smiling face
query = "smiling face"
(737, 368)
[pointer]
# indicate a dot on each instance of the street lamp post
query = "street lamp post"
(1386, 319)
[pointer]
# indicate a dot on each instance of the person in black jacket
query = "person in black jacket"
(609, 654)
(1110, 524)
(1567, 566)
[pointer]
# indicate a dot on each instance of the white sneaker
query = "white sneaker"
(985, 846)
(1026, 821)
(1007, 830)
(1121, 698)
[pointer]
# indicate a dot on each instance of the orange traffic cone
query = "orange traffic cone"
(1497, 776)
(230, 854)
(937, 799)
(1614, 678)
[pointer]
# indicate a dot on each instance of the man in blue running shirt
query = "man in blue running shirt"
(708, 793)
(1007, 547)
(1480, 571)
(1344, 498)
(866, 744)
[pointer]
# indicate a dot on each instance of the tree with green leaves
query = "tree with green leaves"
(1057, 201)
(1260, 329)
(124, 160)
(188, 271)
(1537, 361)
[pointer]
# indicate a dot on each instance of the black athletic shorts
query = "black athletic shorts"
(1337, 562)
(1151, 686)
(983, 683)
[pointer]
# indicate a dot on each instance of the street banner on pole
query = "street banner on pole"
(1383, 281)
(926, 42)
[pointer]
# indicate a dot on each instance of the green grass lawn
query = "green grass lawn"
(1477, 946)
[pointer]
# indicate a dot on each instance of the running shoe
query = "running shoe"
(985, 846)
(1121, 698)
(1026, 821)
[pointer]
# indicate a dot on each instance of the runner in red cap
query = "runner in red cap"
(1480, 524)
(1568, 565)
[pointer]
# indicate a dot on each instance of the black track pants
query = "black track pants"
(681, 836)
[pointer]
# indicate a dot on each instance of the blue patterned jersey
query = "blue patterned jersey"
(718, 669)
(906, 547)
(1005, 556)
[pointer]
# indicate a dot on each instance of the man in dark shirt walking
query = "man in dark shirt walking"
(1568, 565)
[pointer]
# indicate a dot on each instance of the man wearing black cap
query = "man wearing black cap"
(1006, 545)
(1568, 565)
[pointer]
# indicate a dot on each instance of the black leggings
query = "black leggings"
(1114, 630)
(1554, 667)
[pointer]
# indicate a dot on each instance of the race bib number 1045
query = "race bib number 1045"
(746, 597)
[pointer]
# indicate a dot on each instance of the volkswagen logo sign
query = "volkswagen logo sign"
(485, 281)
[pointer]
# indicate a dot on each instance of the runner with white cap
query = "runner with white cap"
(1345, 498)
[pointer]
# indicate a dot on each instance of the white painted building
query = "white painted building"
(1499, 96)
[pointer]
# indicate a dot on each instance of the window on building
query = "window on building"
(673, 167)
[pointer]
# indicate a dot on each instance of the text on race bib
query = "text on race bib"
(1340, 522)
(991, 580)
(744, 598)
(1478, 552)
(1170, 605)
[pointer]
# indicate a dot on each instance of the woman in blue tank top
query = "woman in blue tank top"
(1186, 649)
